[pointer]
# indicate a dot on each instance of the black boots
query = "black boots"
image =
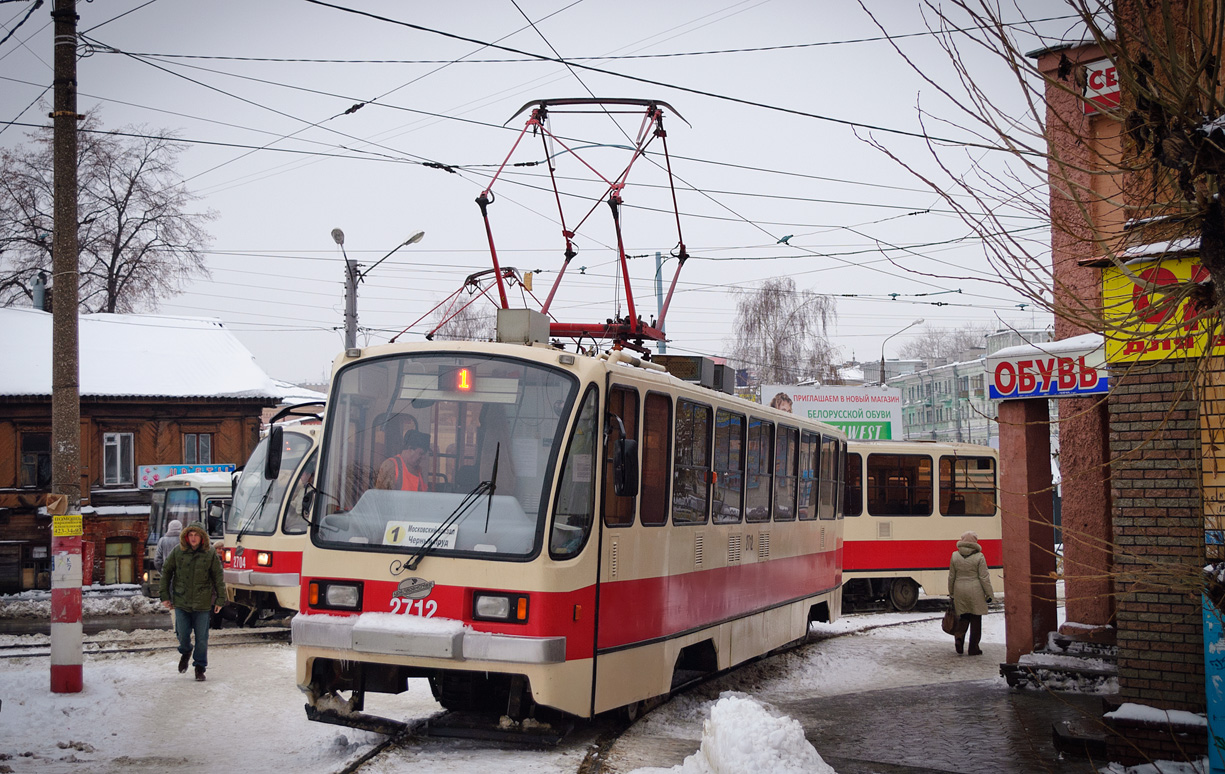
(199, 674)
(183, 659)
(959, 644)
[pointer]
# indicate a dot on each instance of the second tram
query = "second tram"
(906, 504)
(539, 531)
(266, 529)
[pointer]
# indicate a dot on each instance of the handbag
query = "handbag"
(950, 621)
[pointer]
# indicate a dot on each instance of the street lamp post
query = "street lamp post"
(886, 341)
(354, 276)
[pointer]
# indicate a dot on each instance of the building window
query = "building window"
(117, 459)
(36, 460)
(120, 561)
(197, 448)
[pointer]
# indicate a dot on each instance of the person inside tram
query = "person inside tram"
(493, 441)
(406, 471)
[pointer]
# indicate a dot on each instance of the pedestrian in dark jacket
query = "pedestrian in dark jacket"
(969, 590)
(168, 543)
(193, 586)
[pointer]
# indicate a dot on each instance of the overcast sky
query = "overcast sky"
(273, 153)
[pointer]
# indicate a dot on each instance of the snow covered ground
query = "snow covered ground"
(137, 714)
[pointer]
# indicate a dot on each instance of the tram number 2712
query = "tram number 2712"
(423, 607)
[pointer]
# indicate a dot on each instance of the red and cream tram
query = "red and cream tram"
(906, 504)
(578, 534)
(266, 530)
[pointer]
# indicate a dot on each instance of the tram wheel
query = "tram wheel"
(631, 712)
(903, 594)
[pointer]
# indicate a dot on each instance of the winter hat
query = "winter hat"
(969, 537)
(175, 526)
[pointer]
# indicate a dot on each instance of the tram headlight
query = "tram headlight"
(229, 556)
(492, 606)
(335, 595)
(263, 558)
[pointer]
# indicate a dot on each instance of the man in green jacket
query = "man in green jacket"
(193, 586)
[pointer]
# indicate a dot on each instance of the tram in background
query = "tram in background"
(905, 506)
(266, 529)
(187, 498)
(592, 532)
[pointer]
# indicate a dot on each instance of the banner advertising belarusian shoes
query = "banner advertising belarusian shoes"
(865, 413)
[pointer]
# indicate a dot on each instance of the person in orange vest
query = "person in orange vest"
(406, 470)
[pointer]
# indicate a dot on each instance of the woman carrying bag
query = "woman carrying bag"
(969, 592)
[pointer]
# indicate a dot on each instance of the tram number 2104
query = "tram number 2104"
(422, 607)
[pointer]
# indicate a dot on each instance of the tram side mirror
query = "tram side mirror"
(625, 467)
(308, 499)
(272, 462)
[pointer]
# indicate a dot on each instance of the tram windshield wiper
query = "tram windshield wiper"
(255, 514)
(463, 509)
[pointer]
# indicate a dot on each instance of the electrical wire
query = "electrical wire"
(700, 92)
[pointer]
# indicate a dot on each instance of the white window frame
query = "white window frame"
(118, 471)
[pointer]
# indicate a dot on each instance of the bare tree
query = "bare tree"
(932, 343)
(782, 333)
(138, 238)
(476, 321)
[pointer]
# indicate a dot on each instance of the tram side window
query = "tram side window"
(657, 427)
(759, 482)
(967, 486)
(622, 402)
(729, 467)
(690, 486)
(852, 489)
(295, 521)
(810, 454)
(900, 485)
(786, 466)
(575, 504)
(827, 509)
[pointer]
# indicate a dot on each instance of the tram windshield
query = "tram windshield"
(410, 440)
(257, 501)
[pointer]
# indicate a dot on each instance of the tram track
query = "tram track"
(40, 650)
(600, 734)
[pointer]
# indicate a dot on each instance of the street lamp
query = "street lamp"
(353, 276)
(886, 341)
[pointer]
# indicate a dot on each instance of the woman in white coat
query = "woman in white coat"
(970, 590)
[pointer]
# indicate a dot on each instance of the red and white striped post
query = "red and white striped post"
(66, 633)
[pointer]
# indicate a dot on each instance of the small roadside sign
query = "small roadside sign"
(67, 525)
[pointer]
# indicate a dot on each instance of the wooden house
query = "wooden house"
(154, 390)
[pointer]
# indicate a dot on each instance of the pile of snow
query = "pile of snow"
(97, 600)
(1159, 767)
(741, 735)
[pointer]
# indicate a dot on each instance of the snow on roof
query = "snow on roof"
(1072, 346)
(1158, 249)
(292, 394)
(133, 355)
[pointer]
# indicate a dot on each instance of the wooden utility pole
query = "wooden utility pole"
(66, 570)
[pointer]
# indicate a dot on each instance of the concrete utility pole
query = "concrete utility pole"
(66, 527)
(65, 369)
(352, 275)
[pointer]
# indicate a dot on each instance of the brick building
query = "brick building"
(1134, 509)
(154, 391)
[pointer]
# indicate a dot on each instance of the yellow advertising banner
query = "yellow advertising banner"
(67, 525)
(1145, 323)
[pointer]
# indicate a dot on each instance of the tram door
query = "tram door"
(618, 515)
